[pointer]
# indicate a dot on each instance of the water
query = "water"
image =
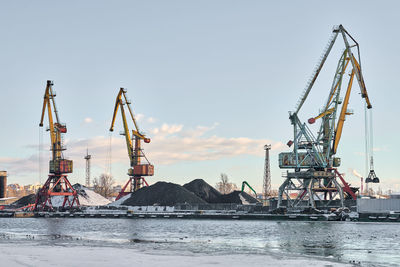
(367, 243)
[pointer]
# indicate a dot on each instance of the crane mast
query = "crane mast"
(314, 174)
(267, 174)
(133, 144)
(57, 184)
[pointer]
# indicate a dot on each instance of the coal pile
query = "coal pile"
(238, 197)
(204, 191)
(162, 194)
(24, 201)
(211, 195)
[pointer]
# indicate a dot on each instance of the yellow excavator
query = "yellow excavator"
(135, 152)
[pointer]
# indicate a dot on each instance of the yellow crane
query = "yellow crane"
(133, 144)
(57, 183)
(313, 160)
(344, 111)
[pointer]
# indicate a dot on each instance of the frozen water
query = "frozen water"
(286, 242)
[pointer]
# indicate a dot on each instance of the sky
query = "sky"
(211, 82)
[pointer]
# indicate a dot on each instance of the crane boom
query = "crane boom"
(317, 70)
(135, 152)
(361, 83)
(343, 114)
(55, 128)
(119, 104)
(57, 183)
(312, 161)
(116, 107)
(328, 111)
(356, 66)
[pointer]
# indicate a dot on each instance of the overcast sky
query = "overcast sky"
(210, 81)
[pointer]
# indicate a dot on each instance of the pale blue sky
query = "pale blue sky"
(233, 67)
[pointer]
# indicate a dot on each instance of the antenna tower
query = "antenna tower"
(267, 173)
(87, 158)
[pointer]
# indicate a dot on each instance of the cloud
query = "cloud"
(88, 120)
(151, 120)
(139, 117)
(20, 166)
(380, 149)
(356, 173)
(375, 149)
(166, 130)
(173, 143)
(170, 144)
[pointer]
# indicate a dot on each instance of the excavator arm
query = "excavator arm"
(251, 188)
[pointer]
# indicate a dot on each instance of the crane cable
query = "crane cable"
(40, 152)
(371, 144)
(109, 155)
(366, 130)
(369, 150)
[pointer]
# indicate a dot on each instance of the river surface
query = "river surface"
(366, 244)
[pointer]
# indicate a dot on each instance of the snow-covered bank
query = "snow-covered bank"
(86, 196)
(25, 255)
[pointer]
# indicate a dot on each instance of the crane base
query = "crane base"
(133, 184)
(56, 185)
(302, 190)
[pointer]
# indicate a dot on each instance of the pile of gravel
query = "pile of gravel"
(204, 191)
(162, 194)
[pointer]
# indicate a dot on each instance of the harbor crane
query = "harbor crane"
(57, 184)
(133, 144)
(314, 174)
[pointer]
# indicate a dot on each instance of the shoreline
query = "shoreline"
(214, 215)
(43, 255)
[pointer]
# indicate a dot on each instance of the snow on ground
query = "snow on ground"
(86, 196)
(25, 255)
(92, 198)
(120, 201)
(244, 201)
